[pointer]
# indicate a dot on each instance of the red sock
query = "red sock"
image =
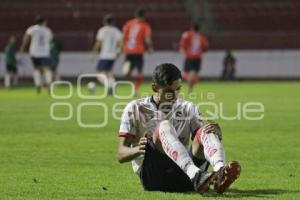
(195, 79)
(138, 81)
(185, 76)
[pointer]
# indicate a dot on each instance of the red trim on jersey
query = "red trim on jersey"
(125, 134)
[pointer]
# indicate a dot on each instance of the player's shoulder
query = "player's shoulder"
(186, 34)
(130, 22)
(186, 105)
(202, 34)
(141, 101)
(32, 27)
(115, 29)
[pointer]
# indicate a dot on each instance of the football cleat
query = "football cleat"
(226, 176)
(203, 180)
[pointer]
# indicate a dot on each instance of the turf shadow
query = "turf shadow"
(258, 193)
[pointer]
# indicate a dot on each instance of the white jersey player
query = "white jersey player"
(39, 36)
(108, 40)
(155, 134)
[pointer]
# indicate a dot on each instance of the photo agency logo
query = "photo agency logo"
(86, 90)
(209, 108)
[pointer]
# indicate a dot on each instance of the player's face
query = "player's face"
(168, 94)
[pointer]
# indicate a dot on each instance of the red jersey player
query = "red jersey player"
(193, 44)
(136, 40)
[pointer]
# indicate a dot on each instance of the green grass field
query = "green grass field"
(41, 158)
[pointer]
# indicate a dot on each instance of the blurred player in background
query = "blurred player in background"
(228, 66)
(11, 63)
(108, 41)
(193, 44)
(55, 50)
(155, 133)
(39, 36)
(136, 40)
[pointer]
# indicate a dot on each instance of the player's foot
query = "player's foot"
(110, 92)
(203, 180)
(226, 176)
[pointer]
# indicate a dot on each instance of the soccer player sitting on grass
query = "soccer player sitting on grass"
(155, 132)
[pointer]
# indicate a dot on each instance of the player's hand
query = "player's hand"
(141, 148)
(213, 127)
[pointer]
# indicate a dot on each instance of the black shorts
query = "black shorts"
(41, 62)
(192, 65)
(160, 173)
(11, 69)
(105, 65)
(136, 61)
(54, 64)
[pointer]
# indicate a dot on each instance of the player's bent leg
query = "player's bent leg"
(212, 148)
(37, 79)
(176, 151)
(214, 152)
(111, 81)
(138, 82)
(199, 160)
(48, 75)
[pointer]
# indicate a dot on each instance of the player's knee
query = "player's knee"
(201, 136)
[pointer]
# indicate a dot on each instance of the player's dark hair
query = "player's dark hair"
(40, 19)
(196, 26)
(140, 12)
(109, 19)
(164, 74)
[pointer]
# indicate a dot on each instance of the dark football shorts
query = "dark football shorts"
(136, 61)
(192, 65)
(160, 173)
(11, 69)
(39, 62)
(105, 65)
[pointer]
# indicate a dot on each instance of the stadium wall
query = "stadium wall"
(271, 64)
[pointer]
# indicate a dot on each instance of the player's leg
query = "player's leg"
(127, 66)
(53, 68)
(188, 73)
(100, 71)
(110, 76)
(139, 63)
(7, 77)
(209, 145)
(47, 73)
(165, 138)
(15, 76)
(195, 76)
(37, 77)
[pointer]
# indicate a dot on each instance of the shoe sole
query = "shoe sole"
(232, 172)
(208, 183)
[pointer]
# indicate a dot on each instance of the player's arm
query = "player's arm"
(182, 44)
(204, 43)
(148, 40)
(120, 44)
(127, 153)
(25, 42)
(96, 47)
(149, 44)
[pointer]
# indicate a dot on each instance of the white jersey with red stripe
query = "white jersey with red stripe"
(141, 118)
